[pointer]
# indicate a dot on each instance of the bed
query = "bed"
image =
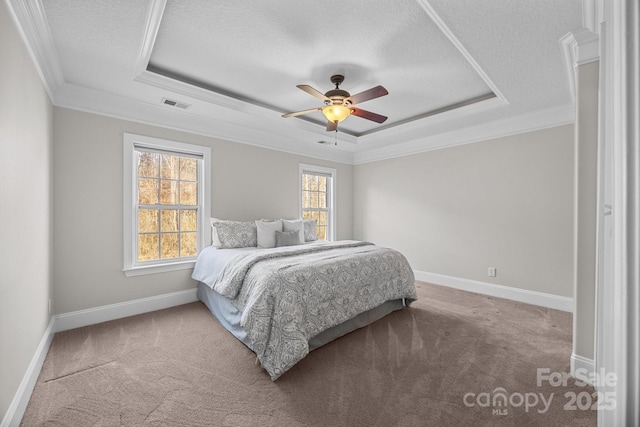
(285, 301)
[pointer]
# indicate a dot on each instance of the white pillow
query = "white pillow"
(294, 225)
(267, 233)
(215, 240)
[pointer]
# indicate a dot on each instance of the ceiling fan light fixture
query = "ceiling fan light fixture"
(336, 113)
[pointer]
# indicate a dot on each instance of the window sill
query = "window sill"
(158, 268)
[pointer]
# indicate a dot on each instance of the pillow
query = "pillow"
(295, 225)
(287, 238)
(215, 240)
(267, 233)
(310, 230)
(234, 234)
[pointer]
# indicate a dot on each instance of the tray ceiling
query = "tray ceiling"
(234, 66)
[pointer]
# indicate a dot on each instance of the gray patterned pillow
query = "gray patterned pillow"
(310, 230)
(287, 238)
(236, 234)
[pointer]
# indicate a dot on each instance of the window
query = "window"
(166, 205)
(317, 198)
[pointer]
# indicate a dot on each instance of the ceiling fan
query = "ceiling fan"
(339, 104)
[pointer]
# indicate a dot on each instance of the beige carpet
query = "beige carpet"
(179, 367)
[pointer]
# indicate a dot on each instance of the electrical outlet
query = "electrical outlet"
(492, 272)
(49, 305)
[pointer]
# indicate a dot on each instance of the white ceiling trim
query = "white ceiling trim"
(552, 117)
(230, 104)
(458, 45)
(119, 107)
(156, 10)
(177, 86)
(31, 22)
(142, 75)
(579, 47)
(110, 105)
(416, 130)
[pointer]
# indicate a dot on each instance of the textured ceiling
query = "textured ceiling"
(446, 64)
(257, 53)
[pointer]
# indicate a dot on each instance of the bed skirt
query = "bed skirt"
(229, 316)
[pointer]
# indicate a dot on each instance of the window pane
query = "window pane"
(168, 192)
(322, 183)
(188, 245)
(147, 191)
(322, 200)
(322, 217)
(188, 169)
(314, 199)
(169, 220)
(188, 220)
(148, 164)
(306, 215)
(147, 247)
(169, 166)
(313, 183)
(321, 232)
(189, 193)
(170, 247)
(148, 221)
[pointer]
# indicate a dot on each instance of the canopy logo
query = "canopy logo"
(499, 400)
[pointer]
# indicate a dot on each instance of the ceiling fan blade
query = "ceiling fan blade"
(299, 113)
(374, 92)
(368, 115)
(313, 92)
(331, 126)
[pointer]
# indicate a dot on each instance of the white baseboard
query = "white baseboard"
(77, 319)
(499, 291)
(583, 369)
(91, 316)
(14, 414)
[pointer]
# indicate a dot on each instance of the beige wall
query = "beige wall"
(586, 184)
(25, 209)
(505, 203)
(248, 183)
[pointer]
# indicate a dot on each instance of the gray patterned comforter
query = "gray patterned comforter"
(289, 295)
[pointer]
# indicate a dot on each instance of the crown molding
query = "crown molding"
(542, 119)
(264, 133)
(277, 137)
(579, 47)
(31, 22)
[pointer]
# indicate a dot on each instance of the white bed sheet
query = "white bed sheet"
(212, 260)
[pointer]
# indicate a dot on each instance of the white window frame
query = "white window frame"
(331, 196)
(130, 220)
